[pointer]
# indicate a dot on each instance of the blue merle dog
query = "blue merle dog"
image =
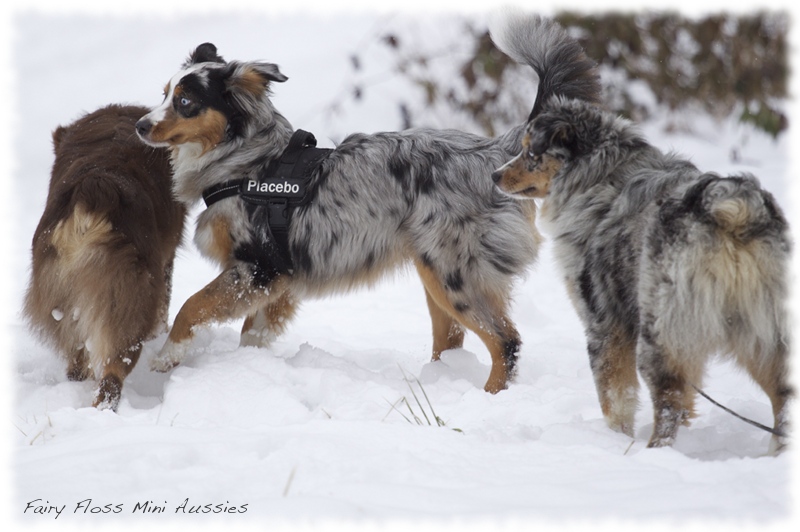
(375, 203)
(666, 265)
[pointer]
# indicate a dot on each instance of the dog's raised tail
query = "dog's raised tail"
(559, 60)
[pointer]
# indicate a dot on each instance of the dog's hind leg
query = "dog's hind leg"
(268, 323)
(114, 372)
(670, 388)
(447, 333)
(497, 332)
(771, 374)
(235, 293)
(163, 307)
(78, 365)
(612, 357)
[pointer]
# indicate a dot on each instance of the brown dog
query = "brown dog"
(104, 248)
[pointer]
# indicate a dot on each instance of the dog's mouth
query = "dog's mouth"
(531, 192)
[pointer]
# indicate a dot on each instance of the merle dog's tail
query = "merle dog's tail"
(737, 205)
(558, 59)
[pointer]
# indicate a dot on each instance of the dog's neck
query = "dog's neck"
(195, 170)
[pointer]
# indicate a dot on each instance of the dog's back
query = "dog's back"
(104, 247)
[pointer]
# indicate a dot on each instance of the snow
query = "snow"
(303, 434)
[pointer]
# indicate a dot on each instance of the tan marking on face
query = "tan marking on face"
(526, 142)
(206, 129)
(526, 178)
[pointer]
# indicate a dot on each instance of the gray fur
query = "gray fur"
(377, 202)
(658, 255)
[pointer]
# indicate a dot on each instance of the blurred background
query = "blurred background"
(652, 63)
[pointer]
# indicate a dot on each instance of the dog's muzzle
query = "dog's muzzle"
(143, 127)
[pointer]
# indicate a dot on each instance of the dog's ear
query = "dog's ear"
(205, 53)
(551, 131)
(58, 134)
(268, 71)
(252, 79)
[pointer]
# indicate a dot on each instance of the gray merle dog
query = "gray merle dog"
(420, 196)
(666, 265)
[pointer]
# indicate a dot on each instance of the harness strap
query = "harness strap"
(281, 187)
(220, 191)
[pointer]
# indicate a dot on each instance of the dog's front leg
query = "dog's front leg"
(268, 323)
(233, 294)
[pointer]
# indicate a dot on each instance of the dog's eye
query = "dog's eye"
(536, 158)
(184, 102)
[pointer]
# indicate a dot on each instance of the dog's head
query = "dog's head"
(209, 101)
(528, 175)
(566, 130)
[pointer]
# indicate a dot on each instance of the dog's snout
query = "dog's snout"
(497, 175)
(143, 127)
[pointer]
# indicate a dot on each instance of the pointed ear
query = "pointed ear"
(269, 71)
(205, 53)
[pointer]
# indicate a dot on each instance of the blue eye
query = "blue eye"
(185, 102)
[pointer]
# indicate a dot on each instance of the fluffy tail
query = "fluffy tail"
(559, 61)
(738, 205)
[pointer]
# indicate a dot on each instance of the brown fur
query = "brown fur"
(272, 320)
(228, 296)
(437, 296)
(103, 250)
(616, 377)
(447, 333)
(526, 175)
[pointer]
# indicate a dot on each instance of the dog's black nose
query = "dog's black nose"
(143, 127)
(497, 176)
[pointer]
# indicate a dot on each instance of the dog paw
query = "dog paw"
(656, 442)
(257, 338)
(625, 427)
(777, 445)
(108, 393)
(170, 356)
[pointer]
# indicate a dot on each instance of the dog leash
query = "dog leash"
(771, 430)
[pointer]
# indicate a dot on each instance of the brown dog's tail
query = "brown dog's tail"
(558, 59)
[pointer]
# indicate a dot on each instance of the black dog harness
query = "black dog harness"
(276, 192)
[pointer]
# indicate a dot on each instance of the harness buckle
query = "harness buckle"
(278, 209)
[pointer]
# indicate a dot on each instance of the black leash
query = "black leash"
(776, 432)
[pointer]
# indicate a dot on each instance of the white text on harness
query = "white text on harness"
(272, 187)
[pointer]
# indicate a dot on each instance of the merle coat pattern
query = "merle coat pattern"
(665, 264)
(420, 196)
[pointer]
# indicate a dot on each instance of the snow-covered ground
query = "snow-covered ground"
(303, 433)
